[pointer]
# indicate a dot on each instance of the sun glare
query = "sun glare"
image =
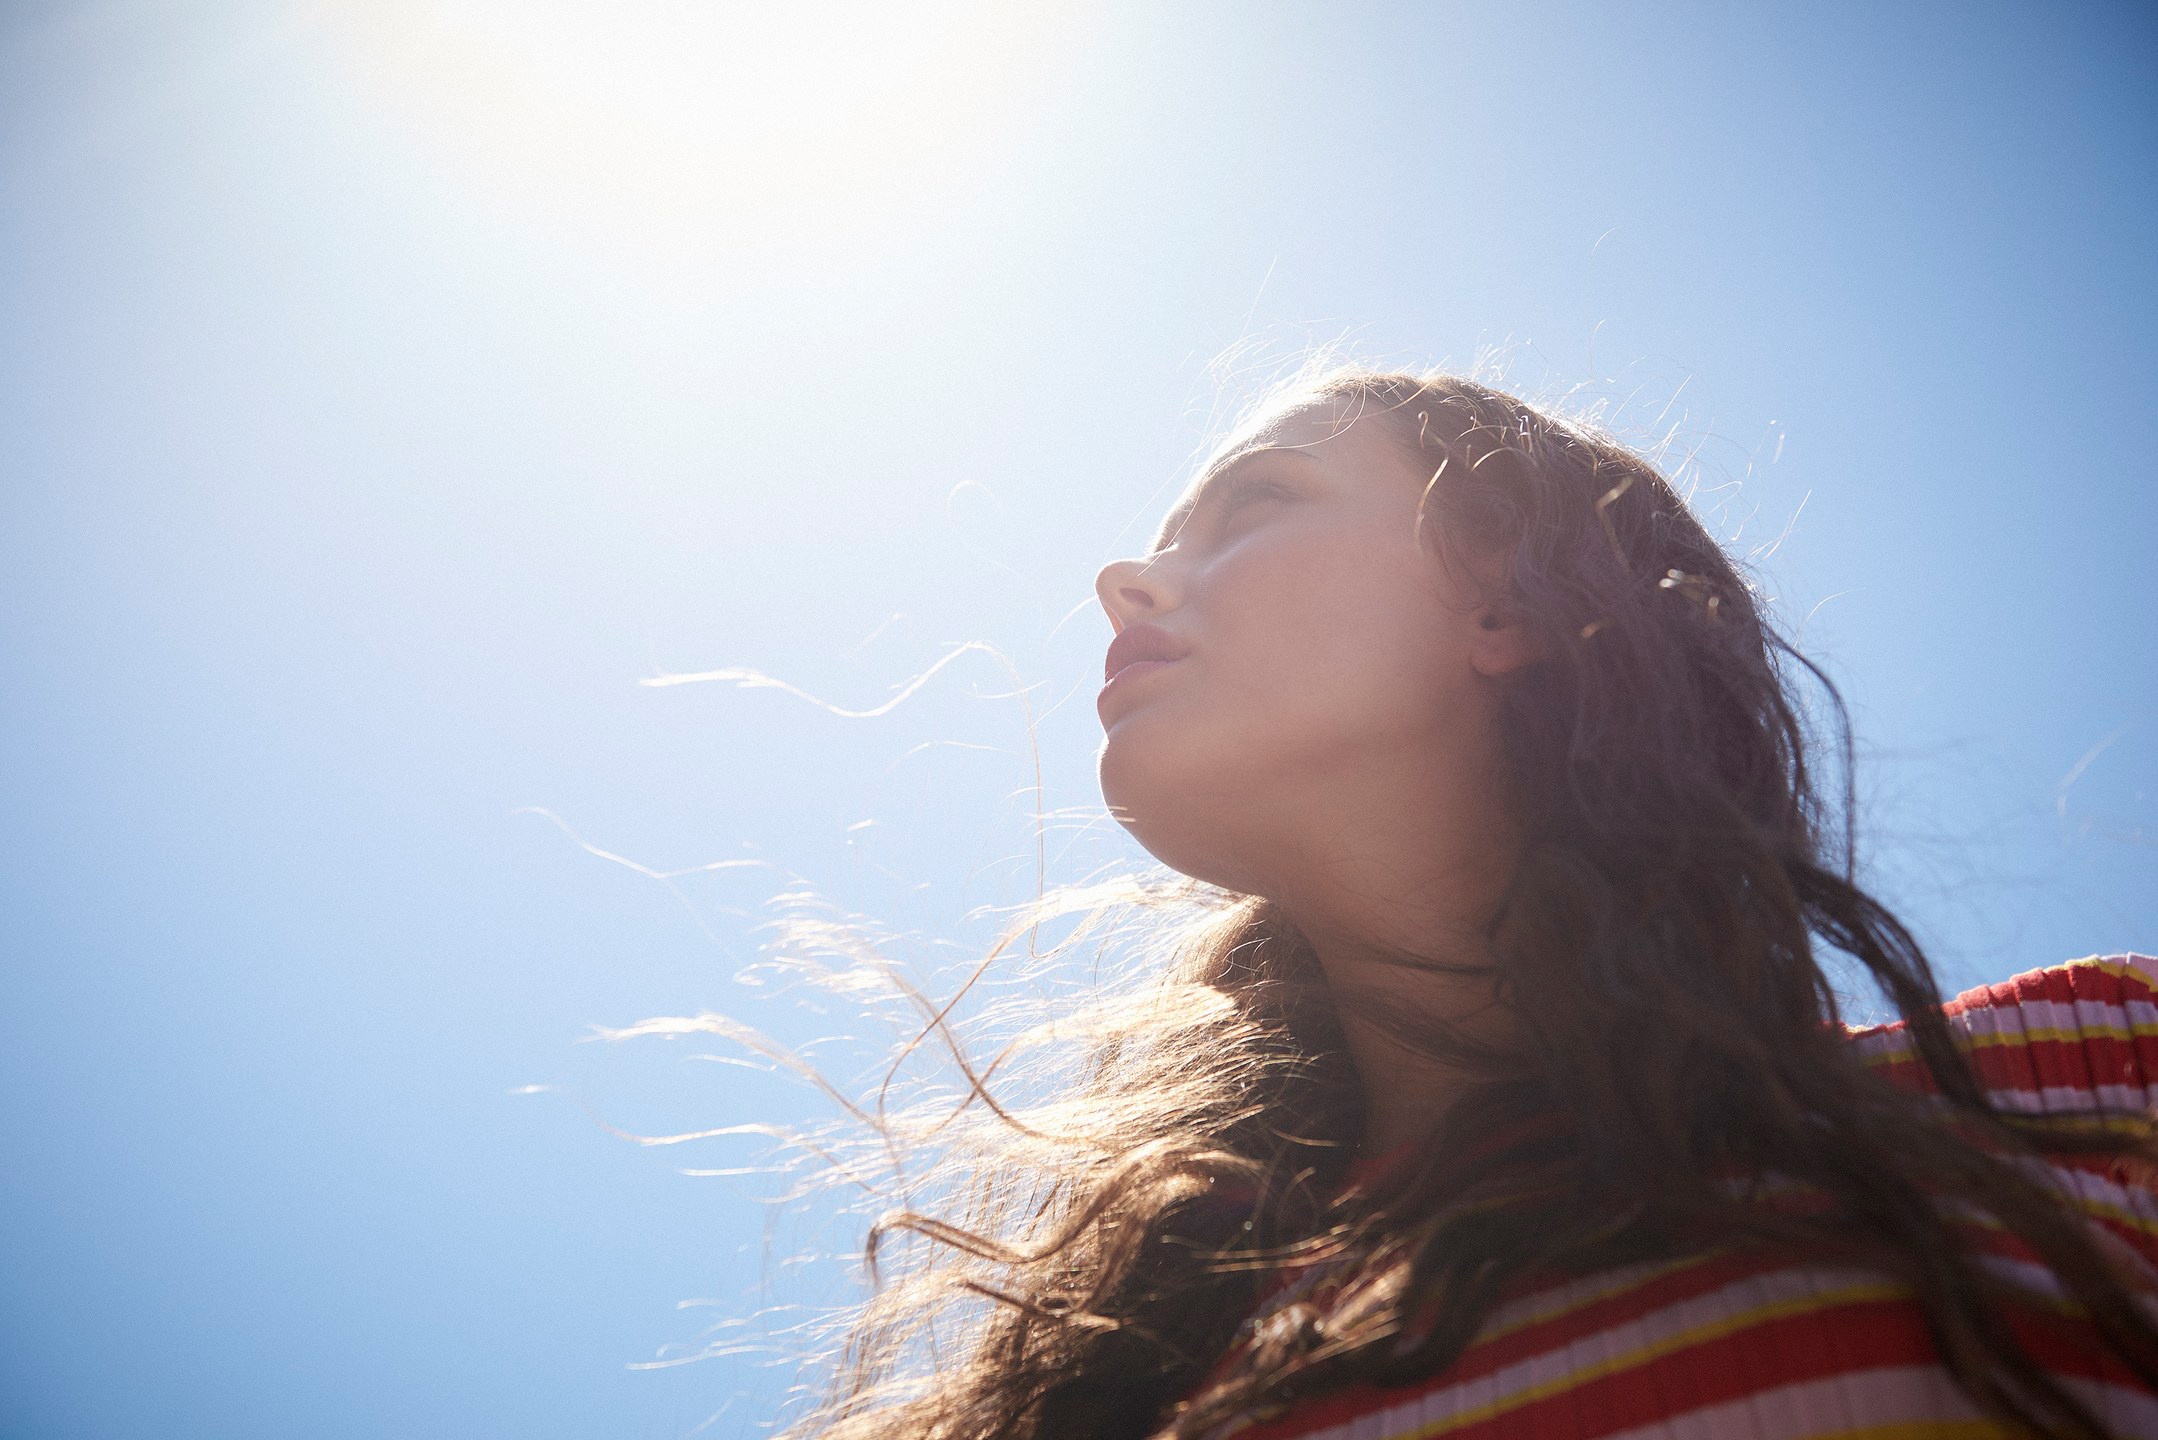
(693, 134)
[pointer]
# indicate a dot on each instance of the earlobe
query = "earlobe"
(1504, 644)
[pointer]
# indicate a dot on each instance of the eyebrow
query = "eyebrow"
(1224, 473)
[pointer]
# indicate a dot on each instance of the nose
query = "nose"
(1133, 590)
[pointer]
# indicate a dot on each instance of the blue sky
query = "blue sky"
(389, 387)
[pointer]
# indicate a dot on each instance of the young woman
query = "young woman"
(1497, 1088)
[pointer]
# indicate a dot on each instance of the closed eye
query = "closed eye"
(1248, 492)
(1235, 487)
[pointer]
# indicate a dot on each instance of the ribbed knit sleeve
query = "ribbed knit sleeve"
(2074, 1038)
(1731, 1345)
(2079, 1039)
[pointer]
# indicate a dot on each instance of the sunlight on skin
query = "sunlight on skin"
(1329, 736)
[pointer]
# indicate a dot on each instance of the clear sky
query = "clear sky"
(386, 388)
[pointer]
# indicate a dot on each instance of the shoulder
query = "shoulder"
(2074, 1038)
(1743, 1342)
(1731, 1343)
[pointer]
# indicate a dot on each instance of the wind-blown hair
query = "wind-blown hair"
(1092, 1257)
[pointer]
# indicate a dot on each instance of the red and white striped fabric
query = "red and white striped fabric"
(1731, 1346)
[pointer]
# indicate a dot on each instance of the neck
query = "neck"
(1398, 907)
(1387, 995)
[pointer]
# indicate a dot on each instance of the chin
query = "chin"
(1168, 805)
(1139, 776)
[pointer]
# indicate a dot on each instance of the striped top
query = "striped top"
(1738, 1346)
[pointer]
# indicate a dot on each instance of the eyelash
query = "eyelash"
(1249, 491)
(1241, 493)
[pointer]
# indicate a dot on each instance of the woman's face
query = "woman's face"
(1305, 665)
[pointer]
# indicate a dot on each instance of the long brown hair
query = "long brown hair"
(1090, 1253)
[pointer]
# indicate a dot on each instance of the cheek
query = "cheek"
(1311, 662)
(1346, 645)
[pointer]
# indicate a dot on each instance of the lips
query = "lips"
(1138, 643)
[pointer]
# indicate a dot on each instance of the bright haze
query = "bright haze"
(390, 387)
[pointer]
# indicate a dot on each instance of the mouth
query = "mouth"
(1139, 645)
(1137, 651)
(1134, 670)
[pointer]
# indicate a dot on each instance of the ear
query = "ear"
(1503, 642)
(1501, 639)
